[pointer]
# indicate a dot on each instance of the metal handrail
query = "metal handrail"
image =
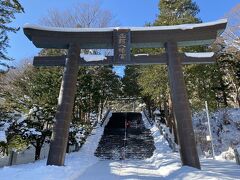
(170, 141)
(150, 121)
(105, 117)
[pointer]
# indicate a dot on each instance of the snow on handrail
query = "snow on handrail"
(105, 117)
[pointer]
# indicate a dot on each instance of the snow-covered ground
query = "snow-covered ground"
(164, 164)
(225, 127)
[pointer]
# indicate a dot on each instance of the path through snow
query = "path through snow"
(164, 164)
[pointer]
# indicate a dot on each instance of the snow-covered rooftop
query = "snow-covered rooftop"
(109, 29)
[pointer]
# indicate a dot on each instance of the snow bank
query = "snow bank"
(75, 164)
(167, 164)
(225, 125)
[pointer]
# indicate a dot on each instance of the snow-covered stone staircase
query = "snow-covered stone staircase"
(137, 145)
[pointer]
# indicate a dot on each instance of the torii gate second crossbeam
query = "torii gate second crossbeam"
(121, 40)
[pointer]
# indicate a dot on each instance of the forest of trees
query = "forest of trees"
(30, 94)
(216, 83)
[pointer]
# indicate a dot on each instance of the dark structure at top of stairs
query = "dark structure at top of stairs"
(136, 144)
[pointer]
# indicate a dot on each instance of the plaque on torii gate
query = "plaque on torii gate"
(121, 40)
(121, 46)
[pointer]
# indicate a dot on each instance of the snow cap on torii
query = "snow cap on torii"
(141, 37)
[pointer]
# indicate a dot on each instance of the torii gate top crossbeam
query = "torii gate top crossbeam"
(141, 37)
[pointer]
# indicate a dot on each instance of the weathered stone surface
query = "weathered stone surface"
(181, 108)
(64, 111)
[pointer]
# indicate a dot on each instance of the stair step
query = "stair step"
(138, 144)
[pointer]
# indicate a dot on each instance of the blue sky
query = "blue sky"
(126, 12)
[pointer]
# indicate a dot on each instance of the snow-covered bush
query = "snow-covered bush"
(3, 142)
(36, 127)
(78, 134)
(9, 125)
(228, 155)
(23, 129)
(93, 118)
(225, 131)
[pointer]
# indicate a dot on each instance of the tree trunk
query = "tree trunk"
(148, 104)
(175, 131)
(80, 111)
(38, 148)
(238, 100)
(224, 94)
(238, 97)
(169, 113)
(67, 150)
(173, 121)
(74, 110)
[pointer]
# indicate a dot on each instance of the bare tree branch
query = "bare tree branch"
(232, 33)
(85, 15)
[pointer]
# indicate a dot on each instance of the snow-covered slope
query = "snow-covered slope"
(225, 125)
(164, 164)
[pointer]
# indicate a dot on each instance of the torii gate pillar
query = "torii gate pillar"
(64, 110)
(181, 108)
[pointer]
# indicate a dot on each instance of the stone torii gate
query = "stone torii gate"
(122, 40)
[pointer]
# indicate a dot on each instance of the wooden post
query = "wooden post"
(12, 158)
(64, 110)
(237, 157)
(181, 108)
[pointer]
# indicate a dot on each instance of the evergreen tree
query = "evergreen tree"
(108, 84)
(8, 9)
(34, 92)
(96, 86)
(153, 80)
(154, 83)
(228, 67)
(202, 81)
(217, 83)
(130, 84)
(174, 12)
